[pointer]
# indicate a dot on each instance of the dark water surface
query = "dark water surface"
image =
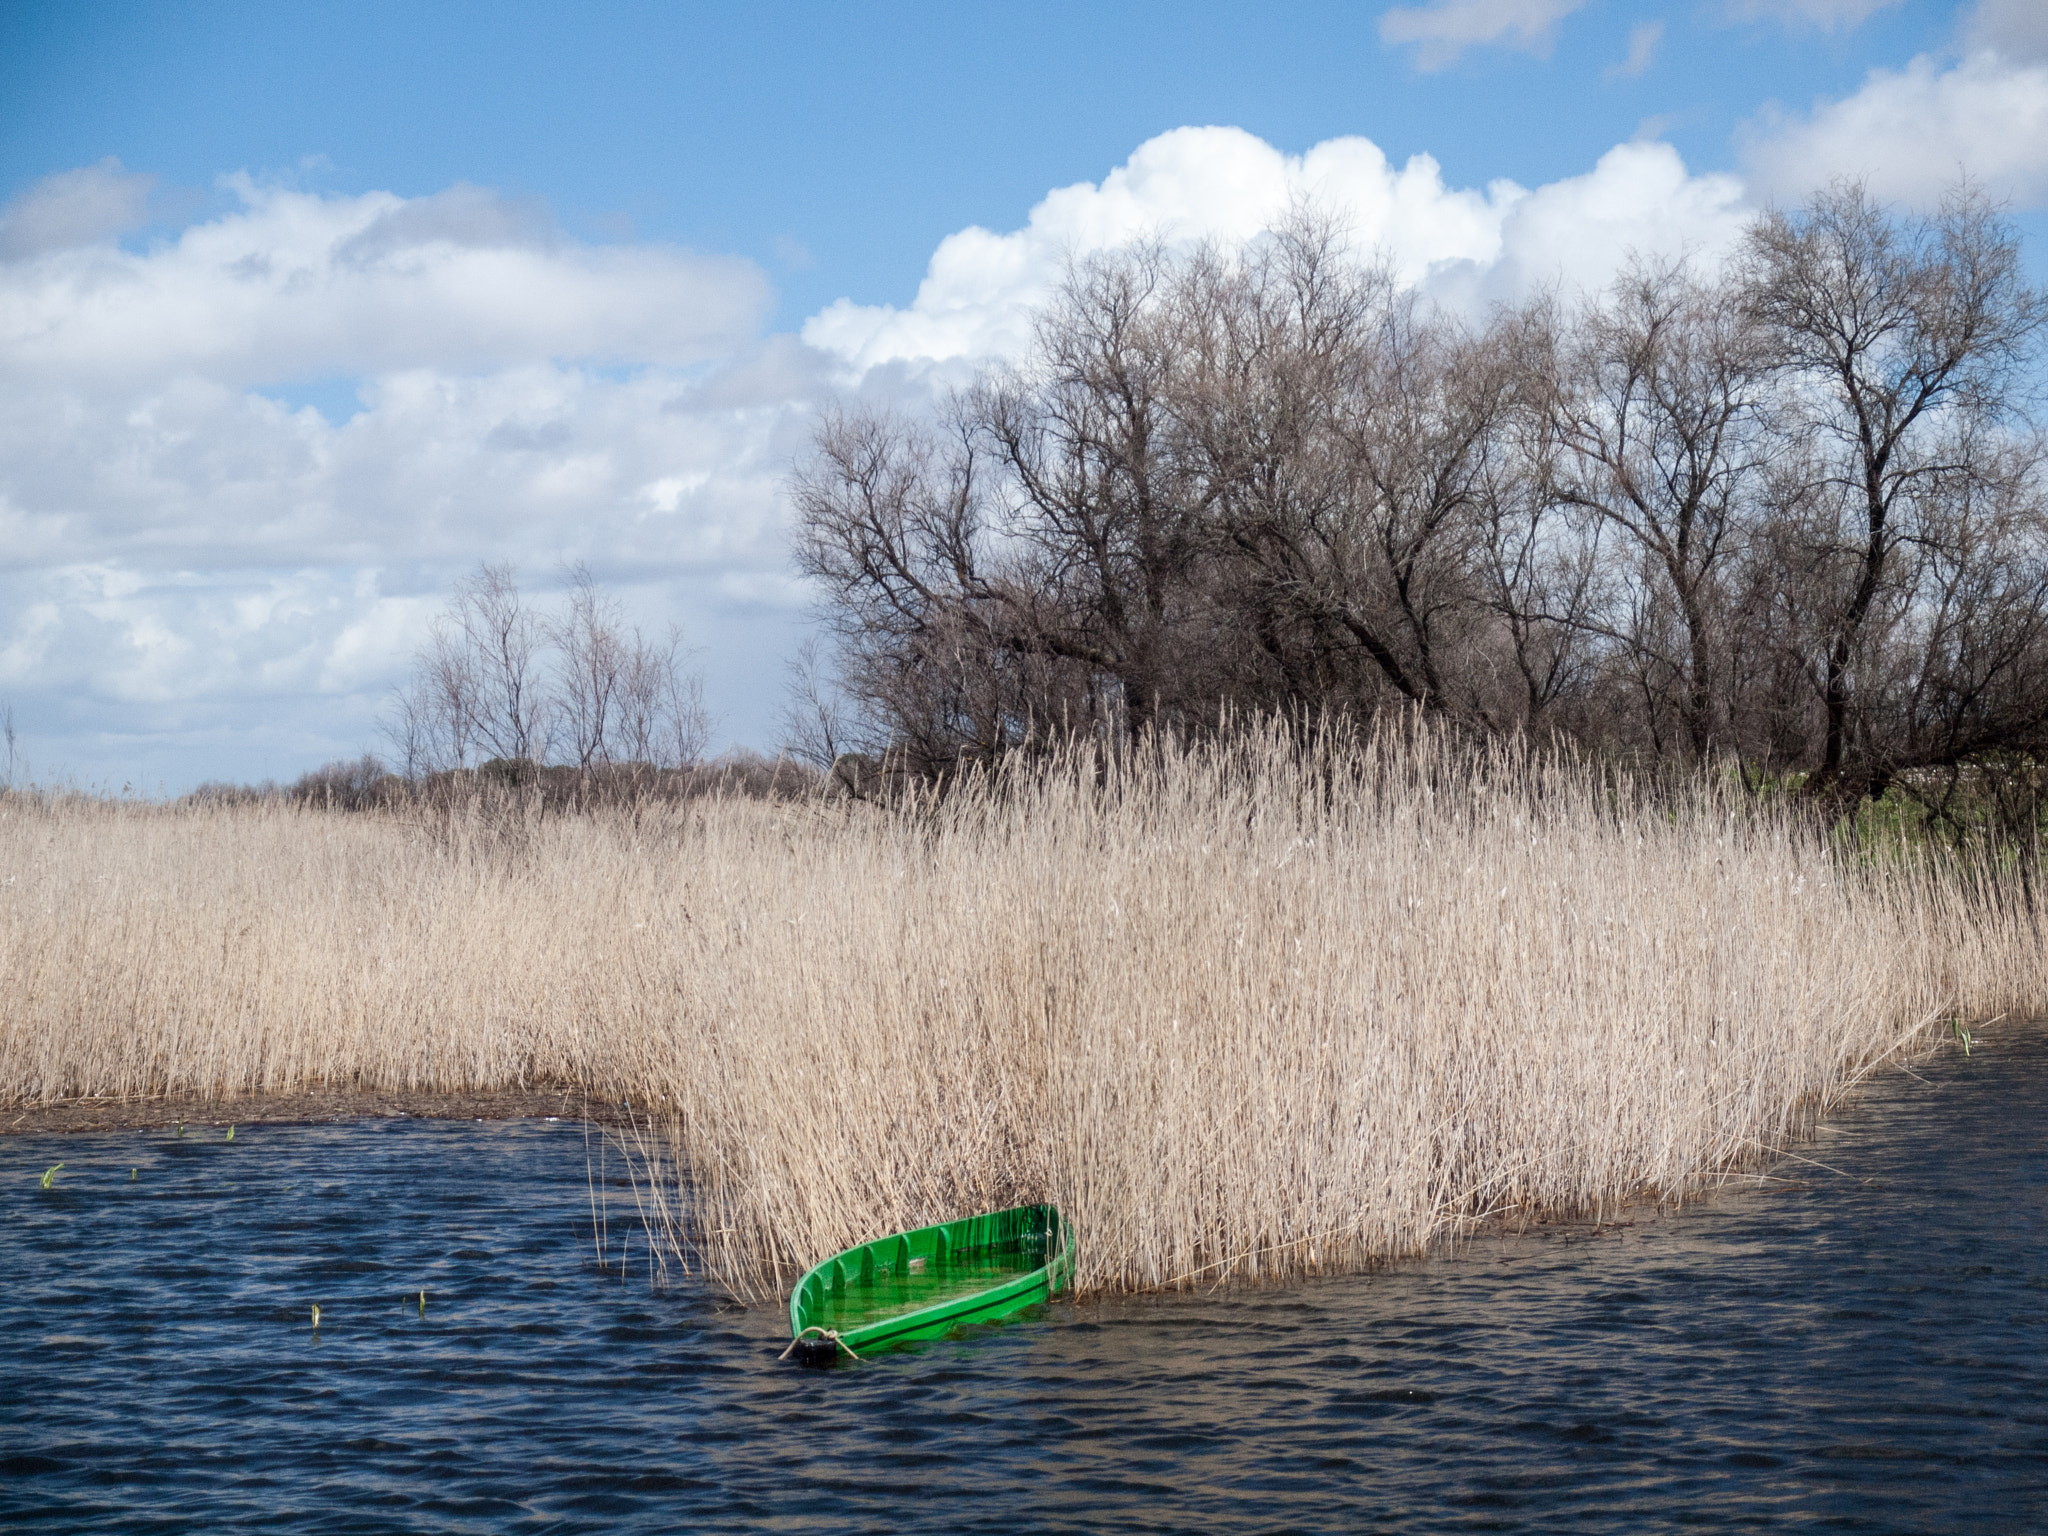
(1860, 1350)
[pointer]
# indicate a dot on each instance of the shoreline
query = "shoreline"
(312, 1106)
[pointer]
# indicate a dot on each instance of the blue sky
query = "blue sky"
(861, 134)
(305, 309)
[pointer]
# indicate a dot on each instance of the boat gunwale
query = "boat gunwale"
(1048, 1276)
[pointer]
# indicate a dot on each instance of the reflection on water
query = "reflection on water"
(1857, 1347)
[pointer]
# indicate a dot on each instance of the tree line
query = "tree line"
(1789, 513)
(501, 681)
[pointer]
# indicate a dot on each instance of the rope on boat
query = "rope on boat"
(823, 1333)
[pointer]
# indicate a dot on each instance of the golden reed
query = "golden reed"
(1248, 1009)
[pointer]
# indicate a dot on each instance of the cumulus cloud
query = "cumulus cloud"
(1443, 29)
(1577, 232)
(138, 637)
(1910, 133)
(1826, 15)
(1223, 184)
(294, 285)
(187, 549)
(1189, 184)
(209, 576)
(197, 552)
(74, 208)
(537, 463)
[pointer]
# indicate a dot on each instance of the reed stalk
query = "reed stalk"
(1245, 1009)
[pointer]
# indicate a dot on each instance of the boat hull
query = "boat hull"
(925, 1283)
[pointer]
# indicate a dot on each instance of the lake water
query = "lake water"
(1863, 1347)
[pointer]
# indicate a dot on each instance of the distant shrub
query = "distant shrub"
(512, 783)
(225, 792)
(357, 784)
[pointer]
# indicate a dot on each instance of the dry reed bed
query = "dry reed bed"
(1241, 1011)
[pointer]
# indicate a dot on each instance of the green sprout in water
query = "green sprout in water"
(181, 1127)
(231, 1133)
(131, 1174)
(316, 1316)
(49, 1174)
(1962, 1035)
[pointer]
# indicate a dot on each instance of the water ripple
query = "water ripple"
(1861, 1350)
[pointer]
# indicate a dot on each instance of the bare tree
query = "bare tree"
(1902, 341)
(1545, 582)
(1787, 515)
(1964, 680)
(500, 680)
(591, 670)
(409, 727)
(1655, 409)
(1258, 480)
(1103, 515)
(1410, 460)
(1279, 408)
(503, 640)
(620, 697)
(659, 712)
(815, 728)
(890, 526)
(433, 723)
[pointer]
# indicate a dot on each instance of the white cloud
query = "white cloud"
(1190, 184)
(200, 549)
(2016, 28)
(1910, 133)
(73, 208)
(1642, 51)
(192, 561)
(1638, 197)
(208, 577)
(294, 285)
(1226, 185)
(1443, 29)
(1827, 15)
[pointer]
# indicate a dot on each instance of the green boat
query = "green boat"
(923, 1284)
